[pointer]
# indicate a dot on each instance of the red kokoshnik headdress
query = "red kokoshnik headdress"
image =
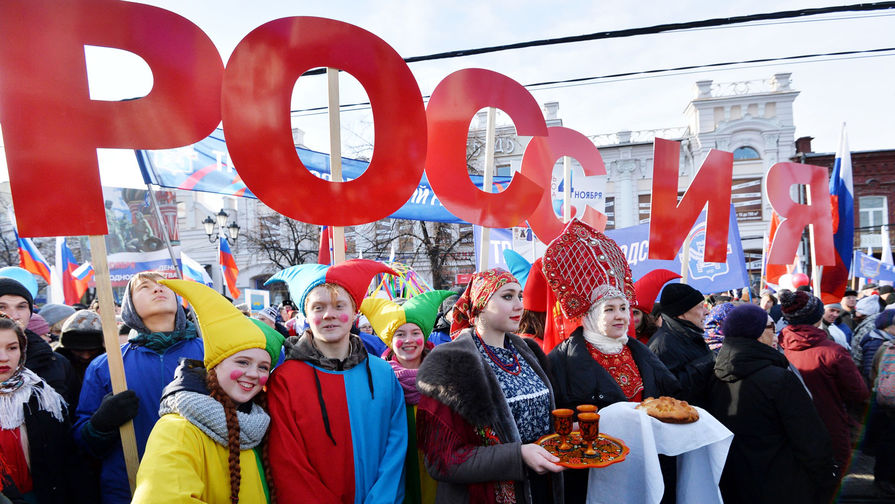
(583, 266)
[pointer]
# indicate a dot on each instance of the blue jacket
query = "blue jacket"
(147, 374)
(870, 345)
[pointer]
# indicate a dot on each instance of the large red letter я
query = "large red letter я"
(670, 221)
(817, 213)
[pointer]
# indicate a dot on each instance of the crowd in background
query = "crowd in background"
(437, 398)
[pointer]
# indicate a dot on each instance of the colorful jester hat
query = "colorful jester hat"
(225, 330)
(583, 266)
(518, 265)
(386, 316)
(353, 275)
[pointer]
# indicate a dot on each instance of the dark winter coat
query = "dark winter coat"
(781, 450)
(52, 367)
(680, 346)
(57, 471)
(579, 379)
(832, 378)
(869, 346)
(456, 382)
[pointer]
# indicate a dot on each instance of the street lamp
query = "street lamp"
(220, 221)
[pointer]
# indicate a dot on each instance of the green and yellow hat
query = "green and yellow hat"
(386, 316)
(225, 330)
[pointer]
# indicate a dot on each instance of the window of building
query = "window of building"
(872, 213)
(744, 153)
(503, 170)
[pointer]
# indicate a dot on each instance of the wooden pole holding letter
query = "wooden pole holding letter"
(490, 134)
(110, 338)
(335, 154)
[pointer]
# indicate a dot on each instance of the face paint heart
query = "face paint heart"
(343, 318)
(419, 342)
(236, 374)
(262, 380)
(399, 343)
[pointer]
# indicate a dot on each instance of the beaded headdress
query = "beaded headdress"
(583, 266)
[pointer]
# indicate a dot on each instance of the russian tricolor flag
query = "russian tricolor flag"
(67, 264)
(194, 271)
(31, 259)
(82, 276)
(228, 267)
(835, 278)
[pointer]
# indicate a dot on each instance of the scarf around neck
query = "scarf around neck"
(14, 401)
(207, 414)
(407, 379)
(159, 342)
(603, 343)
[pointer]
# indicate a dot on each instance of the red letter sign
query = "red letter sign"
(454, 102)
(537, 163)
(52, 128)
(670, 221)
(257, 92)
(817, 213)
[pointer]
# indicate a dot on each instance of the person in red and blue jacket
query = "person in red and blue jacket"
(338, 422)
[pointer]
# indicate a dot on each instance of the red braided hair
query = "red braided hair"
(217, 393)
(261, 400)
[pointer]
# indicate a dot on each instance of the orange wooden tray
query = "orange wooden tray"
(610, 451)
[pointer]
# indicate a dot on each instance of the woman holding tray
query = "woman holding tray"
(486, 399)
(599, 364)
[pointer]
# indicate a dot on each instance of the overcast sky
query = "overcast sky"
(858, 91)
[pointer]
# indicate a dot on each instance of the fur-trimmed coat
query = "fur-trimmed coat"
(465, 427)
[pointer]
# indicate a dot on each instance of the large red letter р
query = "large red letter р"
(51, 127)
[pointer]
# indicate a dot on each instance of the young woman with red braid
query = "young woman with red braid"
(210, 443)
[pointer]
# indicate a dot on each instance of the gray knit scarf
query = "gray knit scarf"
(207, 414)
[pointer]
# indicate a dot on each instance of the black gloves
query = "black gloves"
(115, 410)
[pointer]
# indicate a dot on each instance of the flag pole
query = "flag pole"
(487, 182)
(685, 259)
(110, 338)
(763, 281)
(335, 155)
(164, 228)
(566, 189)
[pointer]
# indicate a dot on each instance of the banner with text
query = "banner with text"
(707, 277)
(871, 268)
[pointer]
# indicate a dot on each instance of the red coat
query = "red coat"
(832, 378)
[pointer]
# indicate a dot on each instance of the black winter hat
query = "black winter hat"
(801, 308)
(14, 288)
(745, 321)
(678, 298)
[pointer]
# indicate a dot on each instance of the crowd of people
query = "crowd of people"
(334, 397)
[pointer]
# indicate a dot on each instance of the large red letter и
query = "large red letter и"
(257, 92)
(670, 221)
(51, 127)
